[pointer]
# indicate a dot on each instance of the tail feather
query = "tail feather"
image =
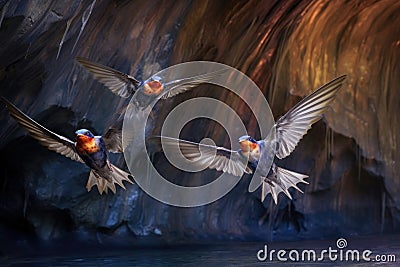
(281, 181)
(111, 185)
(94, 179)
(120, 176)
(117, 176)
(102, 186)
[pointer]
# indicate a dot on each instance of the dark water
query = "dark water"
(387, 248)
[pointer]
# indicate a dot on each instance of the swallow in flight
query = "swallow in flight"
(279, 143)
(126, 85)
(89, 149)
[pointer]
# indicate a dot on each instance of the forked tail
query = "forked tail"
(117, 176)
(280, 180)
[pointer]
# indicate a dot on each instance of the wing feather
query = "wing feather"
(118, 82)
(292, 126)
(47, 138)
(182, 85)
(218, 158)
(113, 140)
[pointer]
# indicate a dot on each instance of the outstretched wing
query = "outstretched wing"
(118, 82)
(175, 87)
(218, 158)
(292, 126)
(113, 140)
(47, 138)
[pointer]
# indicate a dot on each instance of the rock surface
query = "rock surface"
(288, 48)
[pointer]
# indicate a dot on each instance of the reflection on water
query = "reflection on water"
(232, 254)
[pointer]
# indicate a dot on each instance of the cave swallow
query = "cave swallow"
(153, 88)
(89, 149)
(280, 142)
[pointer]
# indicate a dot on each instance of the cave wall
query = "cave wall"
(288, 48)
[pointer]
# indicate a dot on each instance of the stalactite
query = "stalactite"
(359, 162)
(383, 211)
(85, 17)
(69, 21)
(3, 11)
(288, 48)
(328, 146)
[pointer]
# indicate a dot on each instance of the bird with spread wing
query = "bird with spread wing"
(257, 156)
(89, 149)
(125, 85)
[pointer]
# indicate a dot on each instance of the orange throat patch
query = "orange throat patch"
(153, 88)
(86, 144)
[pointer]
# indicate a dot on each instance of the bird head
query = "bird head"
(247, 143)
(153, 87)
(83, 133)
